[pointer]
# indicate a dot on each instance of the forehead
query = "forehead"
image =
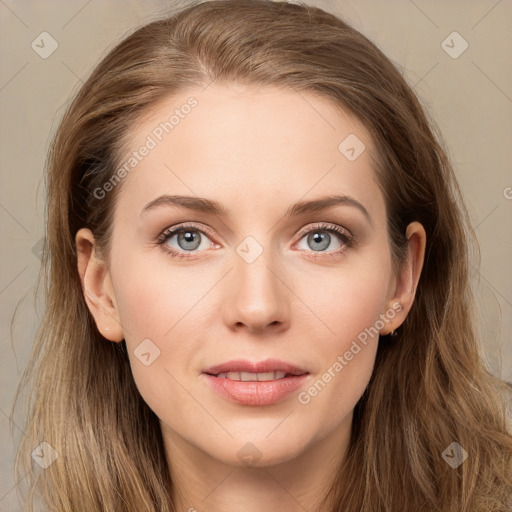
(248, 145)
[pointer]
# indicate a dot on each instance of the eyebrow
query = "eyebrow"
(201, 204)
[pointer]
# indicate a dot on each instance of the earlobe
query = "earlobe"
(97, 287)
(409, 275)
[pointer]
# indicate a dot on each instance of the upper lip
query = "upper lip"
(268, 365)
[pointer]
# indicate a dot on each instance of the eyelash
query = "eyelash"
(344, 235)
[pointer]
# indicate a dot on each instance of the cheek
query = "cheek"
(156, 297)
(352, 309)
(347, 300)
(160, 307)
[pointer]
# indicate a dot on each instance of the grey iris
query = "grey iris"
(321, 240)
(190, 239)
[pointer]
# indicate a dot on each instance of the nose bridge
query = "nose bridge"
(258, 295)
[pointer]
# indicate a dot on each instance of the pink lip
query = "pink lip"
(268, 365)
(256, 393)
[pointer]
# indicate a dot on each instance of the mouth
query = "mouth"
(255, 384)
(254, 377)
(247, 371)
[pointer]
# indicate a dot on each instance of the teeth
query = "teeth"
(280, 375)
(252, 377)
(268, 376)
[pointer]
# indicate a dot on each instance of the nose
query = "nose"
(257, 298)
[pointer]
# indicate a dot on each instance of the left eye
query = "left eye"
(318, 240)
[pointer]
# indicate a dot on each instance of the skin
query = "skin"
(257, 152)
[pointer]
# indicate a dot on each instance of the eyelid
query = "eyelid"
(168, 232)
(326, 226)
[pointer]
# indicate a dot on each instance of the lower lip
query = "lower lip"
(256, 393)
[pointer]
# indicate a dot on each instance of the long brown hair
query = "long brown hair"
(429, 388)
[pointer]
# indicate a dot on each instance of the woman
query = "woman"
(258, 292)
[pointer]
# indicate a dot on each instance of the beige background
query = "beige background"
(470, 97)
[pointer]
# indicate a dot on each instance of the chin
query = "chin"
(258, 452)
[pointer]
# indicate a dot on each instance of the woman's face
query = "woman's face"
(265, 269)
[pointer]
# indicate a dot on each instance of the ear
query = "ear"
(97, 287)
(407, 280)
